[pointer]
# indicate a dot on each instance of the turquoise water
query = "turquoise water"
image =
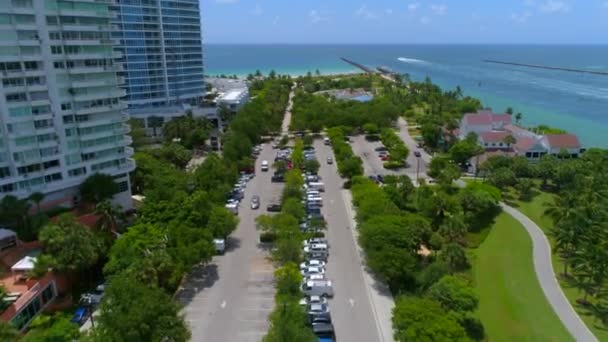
(572, 101)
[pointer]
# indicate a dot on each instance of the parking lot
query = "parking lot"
(373, 165)
(230, 298)
(353, 315)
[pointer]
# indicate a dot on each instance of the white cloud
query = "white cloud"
(388, 11)
(425, 20)
(521, 17)
(553, 6)
(413, 7)
(317, 16)
(366, 13)
(439, 9)
(257, 11)
(226, 1)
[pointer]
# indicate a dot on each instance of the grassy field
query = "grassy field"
(512, 305)
(534, 209)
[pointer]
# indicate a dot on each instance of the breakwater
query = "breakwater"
(358, 65)
(536, 66)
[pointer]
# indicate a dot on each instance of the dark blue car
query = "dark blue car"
(80, 315)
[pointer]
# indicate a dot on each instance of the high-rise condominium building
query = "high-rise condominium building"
(162, 55)
(60, 111)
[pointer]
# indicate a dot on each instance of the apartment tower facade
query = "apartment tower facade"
(61, 114)
(161, 56)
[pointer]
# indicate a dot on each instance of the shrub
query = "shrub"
(267, 237)
(393, 164)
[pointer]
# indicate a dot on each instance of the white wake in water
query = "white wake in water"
(412, 60)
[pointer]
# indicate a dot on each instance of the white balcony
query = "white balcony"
(100, 95)
(104, 146)
(129, 151)
(100, 82)
(101, 109)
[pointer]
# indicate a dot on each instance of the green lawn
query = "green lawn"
(534, 209)
(512, 305)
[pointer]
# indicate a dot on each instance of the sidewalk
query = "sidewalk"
(379, 294)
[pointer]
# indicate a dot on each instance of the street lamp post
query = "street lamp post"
(417, 168)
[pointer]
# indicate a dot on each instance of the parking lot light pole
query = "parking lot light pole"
(417, 168)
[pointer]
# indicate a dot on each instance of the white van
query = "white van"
(316, 186)
(265, 165)
(326, 141)
(322, 288)
(233, 207)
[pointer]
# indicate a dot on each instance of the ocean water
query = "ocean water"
(572, 101)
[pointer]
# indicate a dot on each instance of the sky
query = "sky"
(399, 21)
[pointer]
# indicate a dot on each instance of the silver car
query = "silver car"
(255, 202)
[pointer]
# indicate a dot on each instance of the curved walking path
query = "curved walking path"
(547, 279)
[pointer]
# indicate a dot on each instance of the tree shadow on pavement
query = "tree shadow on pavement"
(378, 285)
(201, 277)
(232, 244)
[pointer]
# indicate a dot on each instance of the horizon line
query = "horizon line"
(375, 43)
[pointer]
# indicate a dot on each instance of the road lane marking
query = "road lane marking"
(223, 305)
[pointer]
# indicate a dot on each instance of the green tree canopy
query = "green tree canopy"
(454, 294)
(135, 312)
(421, 319)
(98, 187)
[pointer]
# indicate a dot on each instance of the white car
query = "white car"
(255, 202)
(315, 241)
(314, 277)
(315, 247)
(313, 300)
(308, 271)
(312, 263)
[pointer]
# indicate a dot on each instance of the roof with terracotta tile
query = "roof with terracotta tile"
(486, 117)
(523, 144)
(563, 141)
(494, 136)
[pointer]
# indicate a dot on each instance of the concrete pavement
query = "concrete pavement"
(230, 298)
(287, 117)
(420, 163)
(547, 278)
(361, 308)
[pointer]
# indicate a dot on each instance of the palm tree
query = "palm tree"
(37, 197)
(509, 140)
(455, 256)
(453, 228)
(518, 117)
(509, 110)
(109, 216)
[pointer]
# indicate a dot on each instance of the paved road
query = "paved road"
(412, 145)
(547, 279)
(361, 310)
(230, 299)
(287, 117)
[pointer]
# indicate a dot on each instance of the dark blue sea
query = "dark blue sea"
(572, 101)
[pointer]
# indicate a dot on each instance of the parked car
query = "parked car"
(220, 246)
(312, 263)
(326, 141)
(265, 165)
(317, 309)
(313, 300)
(417, 154)
(385, 157)
(324, 331)
(255, 202)
(316, 240)
(380, 149)
(277, 178)
(80, 315)
(93, 297)
(322, 288)
(330, 160)
(308, 271)
(274, 208)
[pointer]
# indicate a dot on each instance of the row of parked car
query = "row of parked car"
(315, 285)
(89, 301)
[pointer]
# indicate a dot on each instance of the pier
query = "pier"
(358, 65)
(536, 66)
